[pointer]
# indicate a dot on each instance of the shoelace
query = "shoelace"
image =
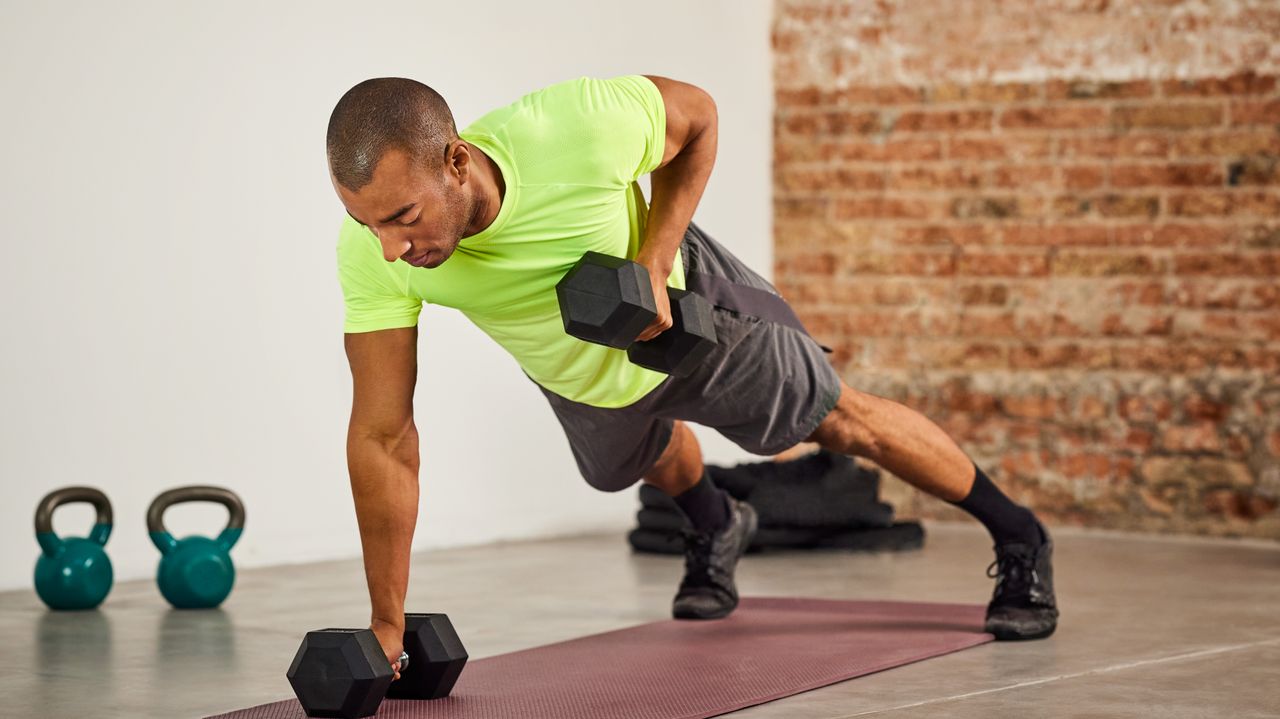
(697, 559)
(1015, 573)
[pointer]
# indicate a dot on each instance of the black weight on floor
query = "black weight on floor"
(436, 658)
(344, 673)
(340, 673)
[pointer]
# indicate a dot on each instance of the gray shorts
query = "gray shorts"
(766, 386)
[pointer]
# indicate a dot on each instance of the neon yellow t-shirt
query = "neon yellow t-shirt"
(570, 155)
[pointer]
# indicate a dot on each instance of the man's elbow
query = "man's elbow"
(702, 118)
(708, 116)
(399, 441)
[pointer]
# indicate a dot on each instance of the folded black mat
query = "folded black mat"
(811, 469)
(660, 520)
(818, 490)
(899, 536)
(819, 501)
(855, 516)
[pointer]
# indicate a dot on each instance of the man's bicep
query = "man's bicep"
(384, 371)
(689, 110)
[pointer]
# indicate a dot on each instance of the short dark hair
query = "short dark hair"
(381, 114)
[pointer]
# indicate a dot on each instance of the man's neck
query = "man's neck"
(492, 188)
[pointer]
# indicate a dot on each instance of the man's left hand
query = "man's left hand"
(658, 279)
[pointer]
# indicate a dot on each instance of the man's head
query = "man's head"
(399, 167)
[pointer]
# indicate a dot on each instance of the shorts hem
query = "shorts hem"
(667, 429)
(829, 401)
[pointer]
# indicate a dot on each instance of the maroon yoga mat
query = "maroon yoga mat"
(767, 649)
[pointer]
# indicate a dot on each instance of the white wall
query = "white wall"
(170, 306)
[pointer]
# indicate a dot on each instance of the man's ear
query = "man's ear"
(458, 158)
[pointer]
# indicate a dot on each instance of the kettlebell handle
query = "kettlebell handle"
(67, 495)
(196, 493)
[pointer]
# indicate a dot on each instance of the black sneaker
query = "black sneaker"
(1023, 606)
(707, 590)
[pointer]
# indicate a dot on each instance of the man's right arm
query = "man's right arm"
(382, 458)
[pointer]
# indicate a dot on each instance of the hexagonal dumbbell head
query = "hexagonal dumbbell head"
(607, 300)
(436, 658)
(683, 347)
(340, 673)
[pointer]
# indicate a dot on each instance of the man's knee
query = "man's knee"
(609, 476)
(613, 467)
(846, 428)
(611, 481)
(680, 465)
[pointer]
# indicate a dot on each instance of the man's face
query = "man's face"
(418, 216)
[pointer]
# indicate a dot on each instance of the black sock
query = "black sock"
(1007, 522)
(705, 504)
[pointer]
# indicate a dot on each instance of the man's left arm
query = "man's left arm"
(676, 185)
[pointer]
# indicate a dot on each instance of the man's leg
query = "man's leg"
(679, 473)
(616, 447)
(767, 386)
(912, 447)
(722, 528)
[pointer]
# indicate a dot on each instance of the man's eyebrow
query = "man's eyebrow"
(391, 218)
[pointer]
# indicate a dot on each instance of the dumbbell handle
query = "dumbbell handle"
(404, 661)
(673, 294)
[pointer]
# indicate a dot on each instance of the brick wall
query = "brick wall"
(1053, 227)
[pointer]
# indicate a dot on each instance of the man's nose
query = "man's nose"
(394, 244)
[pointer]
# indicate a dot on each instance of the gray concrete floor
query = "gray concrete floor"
(1150, 627)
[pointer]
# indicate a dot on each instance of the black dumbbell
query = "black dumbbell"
(609, 300)
(344, 673)
(436, 658)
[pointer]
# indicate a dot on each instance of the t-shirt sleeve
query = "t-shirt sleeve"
(632, 120)
(372, 288)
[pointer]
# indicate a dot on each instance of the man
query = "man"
(488, 220)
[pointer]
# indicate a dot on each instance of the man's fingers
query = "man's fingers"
(655, 328)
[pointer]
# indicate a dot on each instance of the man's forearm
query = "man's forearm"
(384, 485)
(676, 190)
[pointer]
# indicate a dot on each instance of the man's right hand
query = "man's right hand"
(391, 638)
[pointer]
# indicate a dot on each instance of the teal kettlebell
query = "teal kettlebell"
(73, 573)
(195, 572)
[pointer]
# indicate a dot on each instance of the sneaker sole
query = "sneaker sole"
(695, 615)
(1004, 636)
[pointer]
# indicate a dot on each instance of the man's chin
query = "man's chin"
(435, 259)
